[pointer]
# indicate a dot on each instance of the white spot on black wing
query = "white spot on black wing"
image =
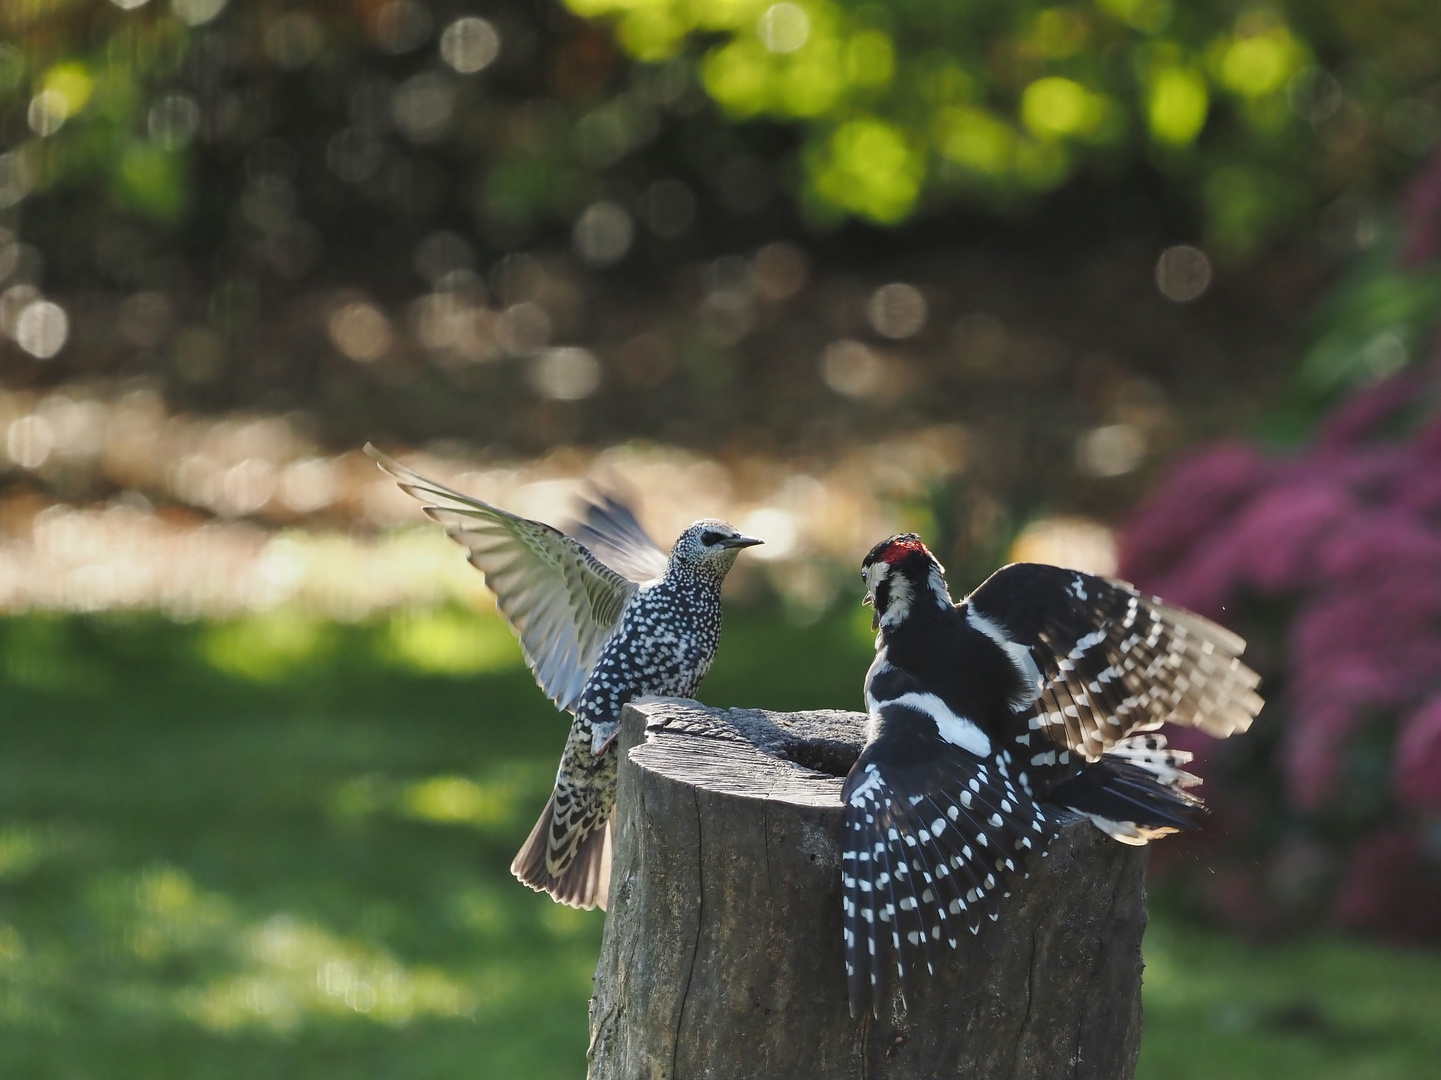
(940, 880)
(1114, 662)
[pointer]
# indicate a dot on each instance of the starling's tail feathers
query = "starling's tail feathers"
(585, 882)
(1136, 792)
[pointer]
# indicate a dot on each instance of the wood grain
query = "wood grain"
(722, 951)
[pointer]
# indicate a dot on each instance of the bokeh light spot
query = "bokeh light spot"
(567, 373)
(70, 86)
(1261, 64)
(781, 270)
(869, 168)
(360, 331)
(449, 641)
(42, 328)
(603, 234)
(1183, 273)
(423, 106)
(897, 310)
(777, 527)
(784, 27)
(469, 44)
(197, 12)
(266, 647)
(849, 368)
(1073, 542)
(29, 442)
(47, 112)
(1177, 102)
(173, 120)
(738, 76)
(16, 177)
(1055, 107)
(523, 329)
(1112, 450)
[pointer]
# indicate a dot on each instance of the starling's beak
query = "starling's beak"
(740, 542)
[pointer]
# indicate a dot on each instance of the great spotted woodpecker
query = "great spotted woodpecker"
(995, 720)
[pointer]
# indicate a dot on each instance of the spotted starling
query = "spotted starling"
(603, 617)
(994, 721)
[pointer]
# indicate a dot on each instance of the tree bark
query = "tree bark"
(722, 951)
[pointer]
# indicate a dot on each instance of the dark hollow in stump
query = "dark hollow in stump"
(722, 952)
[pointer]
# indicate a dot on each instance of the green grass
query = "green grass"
(1312, 1010)
(278, 847)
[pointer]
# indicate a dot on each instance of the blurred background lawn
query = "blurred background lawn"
(1129, 285)
(279, 845)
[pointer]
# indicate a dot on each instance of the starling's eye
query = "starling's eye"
(710, 539)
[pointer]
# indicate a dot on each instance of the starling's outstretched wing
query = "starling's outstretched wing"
(1112, 662)
(932, 835)
(560, 599)
(609, 530)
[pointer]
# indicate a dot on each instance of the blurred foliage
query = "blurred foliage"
(490, 222)
(214, 868)
(1252, 111)
(1328, 559)
(272, 131)
(1378, 320)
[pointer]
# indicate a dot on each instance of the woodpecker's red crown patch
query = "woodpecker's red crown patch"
(898, 547)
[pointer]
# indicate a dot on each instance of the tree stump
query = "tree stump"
(722, 952)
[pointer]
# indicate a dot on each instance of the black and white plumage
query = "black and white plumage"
(994, 721)
(603, 617)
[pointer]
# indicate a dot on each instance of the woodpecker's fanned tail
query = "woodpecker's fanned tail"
(1149, 752)
(1134, 794)
(932, 837)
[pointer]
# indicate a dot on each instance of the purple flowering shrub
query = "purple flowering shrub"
(1329, 561)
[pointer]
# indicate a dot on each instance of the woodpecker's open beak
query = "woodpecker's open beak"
(740, 542)
(876, 618)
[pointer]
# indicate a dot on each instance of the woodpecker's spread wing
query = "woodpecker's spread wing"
(608, 529)
(561, 600)
(1113, 662)
(932, 832)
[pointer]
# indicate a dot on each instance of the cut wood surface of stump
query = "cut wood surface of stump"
(722, 956)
